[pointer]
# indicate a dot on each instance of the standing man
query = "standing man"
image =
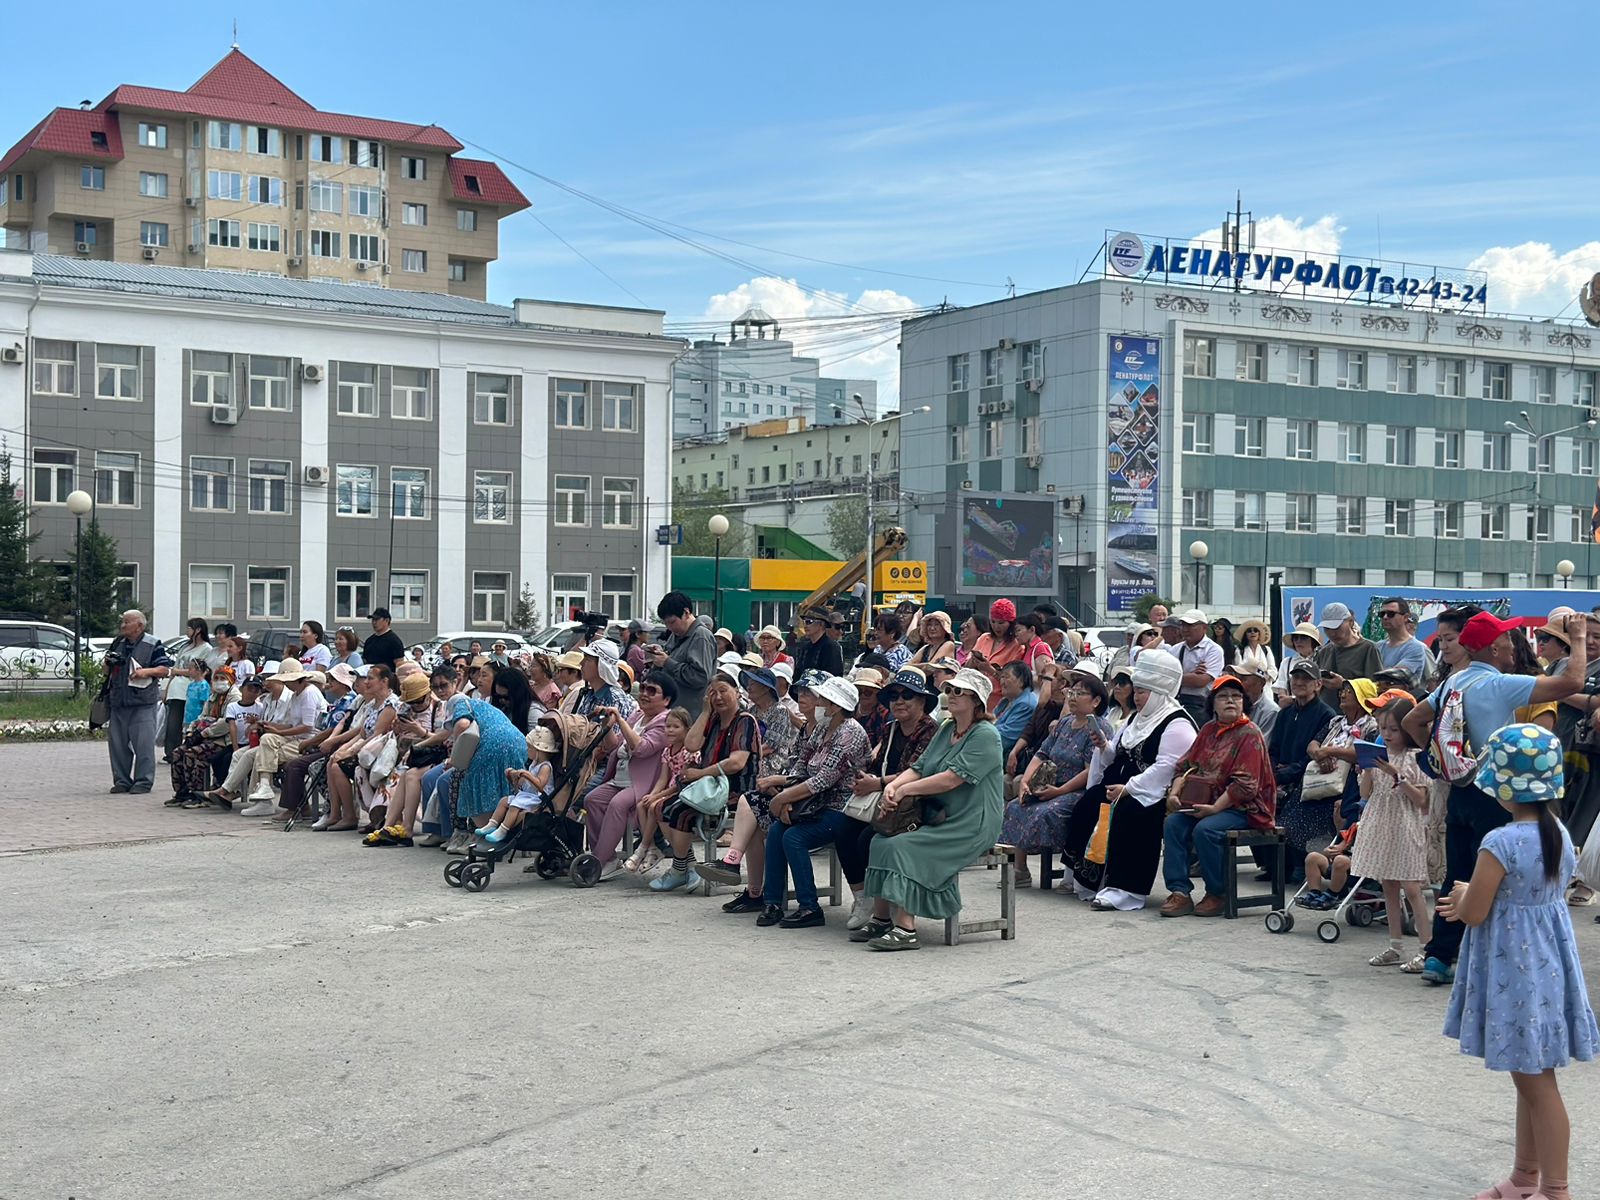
(819, 652)
(384, 645)
(136, 660)
(1346, 655)
(1202, 662)
(1171, 631)
(1158, 614)
(1399, 647)
(689, 654)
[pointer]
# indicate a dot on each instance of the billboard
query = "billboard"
(1133, 469)
(1008, 545)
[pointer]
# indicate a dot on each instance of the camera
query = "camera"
(114, 658)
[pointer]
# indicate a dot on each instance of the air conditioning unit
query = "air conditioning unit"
(385, 268)
(1008, 343)
(1050, 489)
(1004, 406)
(151, 254)
(11, 354)
(311, 373)
(295, 261)
(1035, 385)
(316, 476)
(196, 248)
(1591, 414)
(191, 201)
(224, 414)
(1035, 461)
(985, 410)
(360, 266)
(966, 485)
(84, 247)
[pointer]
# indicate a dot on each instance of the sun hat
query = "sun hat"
(1334, 615)
(572, 660)
(413, 688)
(939, 617)
(809, 680)
(1255, 623)
(839, 691)
(733, 672)
(762, 676)
(1193, 616)
(542, 737)
(625, 679)
(342, 674)
(770, 631)
(910, 680)
(1305, 629)
(1137, 630)
(316, 679)
(725, 634)
(1522, 763)
(783, 670)
(868, 677)
(1549, 626)
(968, 680)
(1365, 691)
(1304, 666)
(1092, 684)
(730, 656)
(752, 658)
(1086, 667)
(1161, 673)
(482, 660)
(290, 669)
(813, 615)
(1002, 610)
(1482, 630)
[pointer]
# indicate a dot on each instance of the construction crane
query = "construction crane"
(848, 575)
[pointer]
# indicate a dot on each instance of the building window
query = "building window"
(1497, 452)
(408, 493)
(352, 593)
(92, 178)
(467, 220)
(1303, 366)
(1541, 524)
(414, 261)
(1350, 514)
(223, 233)
(116, 372)
(358, 390)
(55, 368)
(1196, 509)
(1352, 370)
(224, 185)
(1301, 439)
(958, 445)
(960, 372)
(1253, 357)
(1247, 586)
(572, 500)
(269, 486)
(1250, 436)
(408, 595)
(618, 509)
(458, 270)
(152, 136)
(1496, 381)
(116, 479)
(412, 399)
(355, 490)
(413, 168)
(1584, 381)
(327, 196)
(153, 233)
(1247, 510)
(263, 139)
(1583, 457)
(324, 243)
(1578, 524)
(1032, 356)
(55, 474)
(153, 183)
(491, 399)
(1492, 522)
(413, 214)
(85, 233)
(1200, 357)
(1447, 445)
(264, 189)
(1032, 434)
(1447, 519)
(1403, 373)
(364, 247)
(210, 591)
(365, 154)
(1397, 518)
(1542, 455)
(994, 439)
(211, 484)
(1452, 377)
(1400, 446)
(618, 407)
(211, 378)
(224, 135)
(491, 497)
(269, 382)
(1352, 443)
(1197, 432)
(490, 592)
(326, 149)
(1544, 385)
(616, 596)
(994, 367)
(266, 237)
(572, 404)
(365, 201)
(1302, 512)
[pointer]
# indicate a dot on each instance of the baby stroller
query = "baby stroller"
(553, 833)
(1361, 904)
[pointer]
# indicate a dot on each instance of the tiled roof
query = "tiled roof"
(492, 186)
(68, 131)
(240, 77)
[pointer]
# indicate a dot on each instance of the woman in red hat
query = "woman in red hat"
(1000, 645)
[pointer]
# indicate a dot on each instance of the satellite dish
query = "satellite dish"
(1589, 300)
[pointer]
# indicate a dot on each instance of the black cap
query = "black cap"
(379, 614)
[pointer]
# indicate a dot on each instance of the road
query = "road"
(192, 1005)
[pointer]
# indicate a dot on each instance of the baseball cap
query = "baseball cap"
(1193, 616)
(1304, 666)
(1481, 630)
(1334, 615)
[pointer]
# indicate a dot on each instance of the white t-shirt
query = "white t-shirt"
(237, 713)
(304, 707)
(318, 658)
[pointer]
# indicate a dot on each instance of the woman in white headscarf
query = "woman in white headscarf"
(1131, 773)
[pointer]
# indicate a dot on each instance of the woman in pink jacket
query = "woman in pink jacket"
(609, 807)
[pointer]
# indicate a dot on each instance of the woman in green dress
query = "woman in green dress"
(960, 774)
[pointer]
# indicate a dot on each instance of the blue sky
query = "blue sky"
(958, 145)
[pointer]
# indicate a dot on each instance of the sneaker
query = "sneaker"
(860, 912)
(671, 879)
(429, 839)
(261, 808)
(321, 823)
(721, 872)
(1436, 971)
(611, 870)
(177, 800)
(1389, 958)
(771, 914)
(193, 800)
(895, 939)
(118, 788)
(874, 928)
(803, 918)
(744, 902)
(264, 792)
(458, 843)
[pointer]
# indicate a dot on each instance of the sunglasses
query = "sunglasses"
(957, 691)
(649, 690)
(1390, 612)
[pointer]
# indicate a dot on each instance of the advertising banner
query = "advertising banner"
(1008, 545)
(1133, 469)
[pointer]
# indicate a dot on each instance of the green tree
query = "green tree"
(1142, 606)
(101, 615)
(694, 507)
(525, 613)
(847, 525)
(19, 574)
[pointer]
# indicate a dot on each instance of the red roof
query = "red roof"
(492, 186)
(69, 131)
(240, 77)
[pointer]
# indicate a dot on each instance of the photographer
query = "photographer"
(133, 664)
(688, 655)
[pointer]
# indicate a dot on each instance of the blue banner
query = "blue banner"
(1133, 469)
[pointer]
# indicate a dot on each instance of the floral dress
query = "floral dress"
(1041, 825)
(1308, 824)
(1394, 831)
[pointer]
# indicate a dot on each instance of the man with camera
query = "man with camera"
(133, 664)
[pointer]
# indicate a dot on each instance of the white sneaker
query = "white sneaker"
(860, 912)
(261, 808)
(264, 792)
(321, 823)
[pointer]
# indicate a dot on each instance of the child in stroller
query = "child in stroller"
(1332, 865)
(533, 785)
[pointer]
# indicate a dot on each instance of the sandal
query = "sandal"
(1583, 901)
(1389, 958)
(1414, 964)
(1506, 1190)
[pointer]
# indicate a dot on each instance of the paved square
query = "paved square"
(194, 1006)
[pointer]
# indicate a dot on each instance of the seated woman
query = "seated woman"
(207, 739)
(916, 873)
(806, 809)
(937, 640)
(1308, 823)
(376, 718)
(1131, 774)
(770, 640)
(780, 740)
(1046, 713)
(454, 719)
(1017, 702)
(347, 648)
(1224, 781)
(630, 771)
(1036, 821)
(420, 732)
(1121, 709)
(910, 698)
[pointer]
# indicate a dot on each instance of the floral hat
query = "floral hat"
(1522, 763)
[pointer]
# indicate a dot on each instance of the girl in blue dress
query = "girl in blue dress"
(1519, 1000)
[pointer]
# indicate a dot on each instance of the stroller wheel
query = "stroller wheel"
(452, 872)
(1360, 915)
(585, 870)
(1408, 921)
(1328, 931)
(547, 866)
(475, 877)
(1279, 921)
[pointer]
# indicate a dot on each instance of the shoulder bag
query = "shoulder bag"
(466, 746)
(1317, 784)
(865, 808)
(709, 793)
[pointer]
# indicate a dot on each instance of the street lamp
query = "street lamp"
(718, 528)
(1525, 426)
(1198, 551)
(1564, 569)
(78, 503)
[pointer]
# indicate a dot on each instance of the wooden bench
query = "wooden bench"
(1004, 857)
(1275, 843)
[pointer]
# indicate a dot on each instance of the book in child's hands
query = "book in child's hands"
(1370, 754)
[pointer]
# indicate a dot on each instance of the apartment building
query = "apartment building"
(266, 450)
(238, 172)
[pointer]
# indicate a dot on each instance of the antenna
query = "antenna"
(1589, 300)
(236, 33)
(1234, 238)
(1011, 288)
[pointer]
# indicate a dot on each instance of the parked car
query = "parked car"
(1101, 642)
(36, 655)
(558, 638)
(461, 641)
(267, 644)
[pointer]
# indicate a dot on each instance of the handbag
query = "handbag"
(427, 756)
(99, 711)
(906, 817)
(384, 761)
(708, 794)
(1325, 785)
(862, 808)
(465, 747)
(1098, 840)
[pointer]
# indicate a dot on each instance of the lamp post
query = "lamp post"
(1525, 426)
(1198, 551)
(78, 503)
(718, 528)
(1564, 570)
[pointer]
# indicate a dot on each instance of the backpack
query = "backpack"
(1449, 752)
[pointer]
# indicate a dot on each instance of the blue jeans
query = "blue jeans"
(431, 779)
(1206, 834)
(789, 850)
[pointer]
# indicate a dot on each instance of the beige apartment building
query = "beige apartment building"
(240, 173)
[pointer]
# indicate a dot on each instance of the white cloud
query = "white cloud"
(864, 345)
(1279, 232)
(1532, 278)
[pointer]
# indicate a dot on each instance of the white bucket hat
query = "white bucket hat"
(841, 692)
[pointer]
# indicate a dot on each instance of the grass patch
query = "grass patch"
(44, 707)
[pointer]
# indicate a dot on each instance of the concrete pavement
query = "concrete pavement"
(208, 1008)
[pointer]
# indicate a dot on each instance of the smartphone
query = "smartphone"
(1327, 674)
